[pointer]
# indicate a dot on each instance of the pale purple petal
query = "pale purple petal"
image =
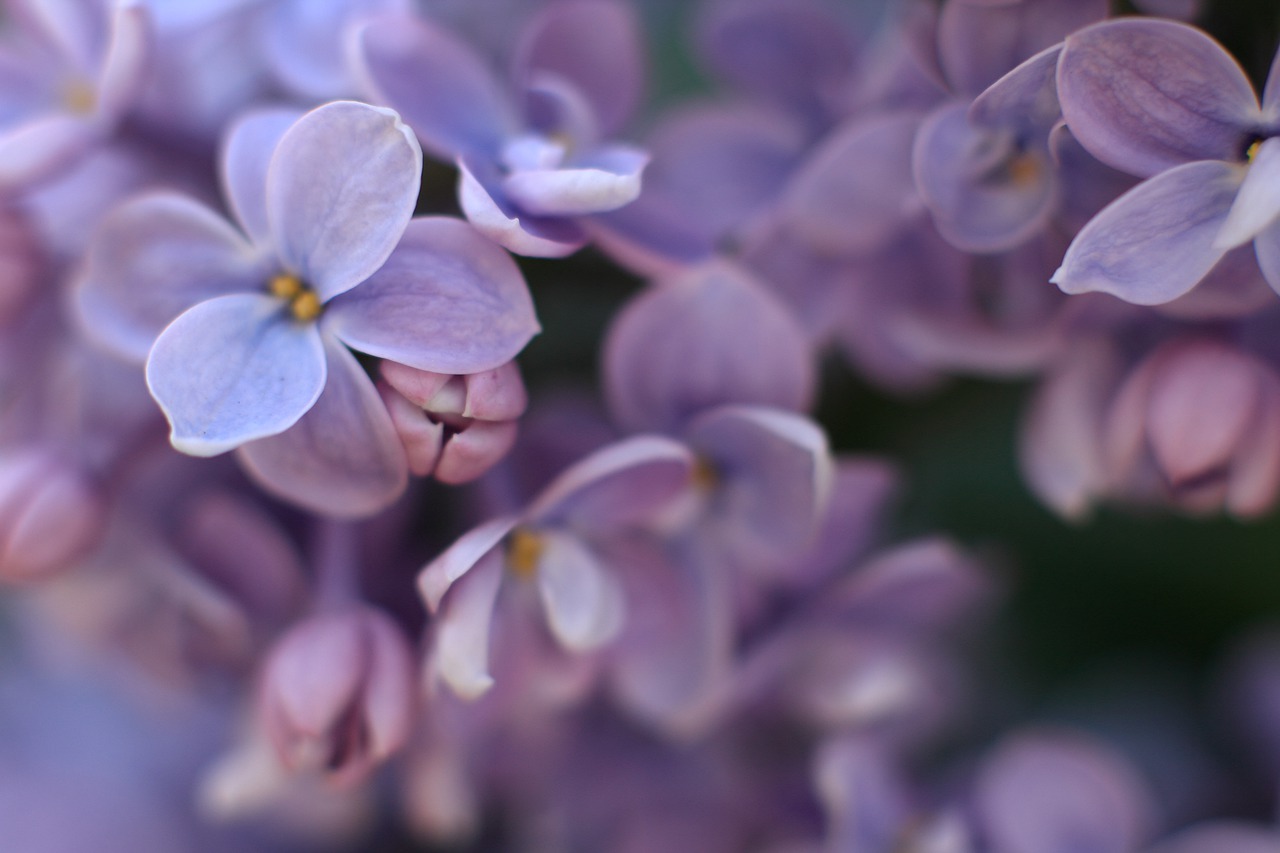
(1026, 97)
(343, 457)
(1145, 95)
(922, 584)
(583, 602)
(451, 99)
(1267, 247)
(605, 180)
(341, 188)
(985, 191)
(486, 207)
(1057, 792)
(447, 301)
(34, 150)
(1257, 205)
(979, 41)
(596, 46)
(1059, 447)
(234, 369)
(725, 339)
(152, 258)
(246, 154)
(856, 191)
(1221, 836)
(124, 67)
(303, 42)
(474, 450)
(773, 477)
(1156, 241)
(620, 485)
(438, 575)
(461, 654)
(77, 30)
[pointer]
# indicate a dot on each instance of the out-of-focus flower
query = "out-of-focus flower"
(532, 156)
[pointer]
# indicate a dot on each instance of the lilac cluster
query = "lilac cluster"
(266, 468)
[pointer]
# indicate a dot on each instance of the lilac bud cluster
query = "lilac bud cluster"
(288, 544)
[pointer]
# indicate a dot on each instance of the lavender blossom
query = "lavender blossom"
(266, 319)
(1201, 139)
(532, 157)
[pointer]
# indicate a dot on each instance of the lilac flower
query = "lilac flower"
(553, 542)
(51, 515)
(533, 160)
(254, 351)
(1201, 138)
(68, 71)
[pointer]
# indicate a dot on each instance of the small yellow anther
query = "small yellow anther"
(306, 306)
(286, 285)
(524, 549)
(705, 475)
(79, 97)
(1024, 169)
(1252, 151)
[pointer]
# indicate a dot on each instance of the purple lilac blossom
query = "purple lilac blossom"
(532, 154)
(267, 319)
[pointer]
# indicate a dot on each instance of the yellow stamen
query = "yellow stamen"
(524, 549)
(1024, 169)
(306, 306)
(1252, 151)
(705, 474)
(79, 97)
(286, 285)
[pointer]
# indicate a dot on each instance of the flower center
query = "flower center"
(79, 97)
(1252, 151)
(1024, 170)
(524, 549)
(304, 304)
(706, 476)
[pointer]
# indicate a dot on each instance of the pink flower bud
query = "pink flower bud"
(50, 515)
(338, 694)
(453, 427)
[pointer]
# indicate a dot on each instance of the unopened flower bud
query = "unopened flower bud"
(453, 427)
(338, 694)
(50, 515)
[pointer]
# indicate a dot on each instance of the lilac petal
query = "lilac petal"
(447, 301)
(486, 208)
(985, 192)
(124, 67)
(596, 46)
(840, 206)
(722, 164)
(34, 150)
(979, 41)
(1156, 241)
(1058, 792)
(472, 452)
(1059, 448)
(75, 30)
(583, 602)
(1271, 91)
(725, 339)
(922, 585)
(793, 51)
(774, 473)
(446, 93)
(676, 647)
(1026, 97)
(234, 369)
(653, 236)
(1267, 248)
(1257, 205)
(1145, 95)
(438, 575)
(861, 491)
(604, 181)
(341, 188)
(462, 638)
(620, 485)
(152, 258)
(1222, 836)
(303, 42)
(246, 154)
(343, 458)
